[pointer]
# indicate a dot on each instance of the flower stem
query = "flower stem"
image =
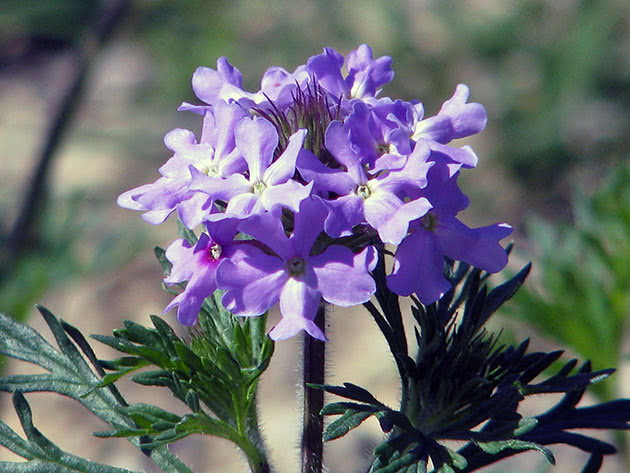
(313, 422)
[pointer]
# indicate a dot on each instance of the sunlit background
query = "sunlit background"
(554, 76)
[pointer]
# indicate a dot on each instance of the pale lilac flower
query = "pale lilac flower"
(214, 155)
(456, 119)
(267, 183)
(290, 275)
(225, 83)
(170, 192)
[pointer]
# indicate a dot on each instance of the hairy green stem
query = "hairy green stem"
(313, 421)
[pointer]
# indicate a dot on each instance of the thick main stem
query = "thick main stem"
(313, 426)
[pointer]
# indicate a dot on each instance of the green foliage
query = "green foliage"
(215, 374)
(584, 288)
(463, 386)
(42, 455)
(68, 372)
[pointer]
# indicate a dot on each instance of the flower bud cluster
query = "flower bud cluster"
(298, 185)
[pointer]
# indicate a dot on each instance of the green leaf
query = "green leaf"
(152, 413)
(68, 374)
(41, 454)
(344, 424)
(160, 254)
(514, 444)
(187, 234)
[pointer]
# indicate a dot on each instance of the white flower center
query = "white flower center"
(215, 251)
(363, 191)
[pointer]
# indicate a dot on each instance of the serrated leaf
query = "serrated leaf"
(192, 401)
(502, 293)
(116, 343)
(399, 465)
(350, 391)
(188, 357)
(166, 333)
(153, 378)
(153, 413)
(137, 333)
(122, 433)
(341, 407)
(113, 377)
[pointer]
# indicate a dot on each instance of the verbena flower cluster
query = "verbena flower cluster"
(300, 185)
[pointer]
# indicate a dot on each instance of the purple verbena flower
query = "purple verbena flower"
(456, 119)
(214, 155)
(381, 130)
(290, 275)
(198, 265)
(377, 201)
(267, 183)
(365, 75)
(419, 259)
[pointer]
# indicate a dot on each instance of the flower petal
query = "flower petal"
(256, 139)
(343, 277)
(253, 284)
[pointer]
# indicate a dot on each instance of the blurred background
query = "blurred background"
(88, 89)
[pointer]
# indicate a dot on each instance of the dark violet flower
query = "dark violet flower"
(381, 129)
(291, 275)
(419, 259)
(365, 75)
(198, 265)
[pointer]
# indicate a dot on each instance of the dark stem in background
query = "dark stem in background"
(313, 422)
(23, 234)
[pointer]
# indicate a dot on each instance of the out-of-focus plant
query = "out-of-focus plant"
(584, 270)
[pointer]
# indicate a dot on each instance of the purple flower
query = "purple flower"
(365, 75)
(214, 155)
(378, 201)
(198, 265)
(381, 131)
(456, 119)
(161, 198)
(267, 183)
(290, 275)
(419, 259)
(381, 168)
(279, 85)
(225, 83)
